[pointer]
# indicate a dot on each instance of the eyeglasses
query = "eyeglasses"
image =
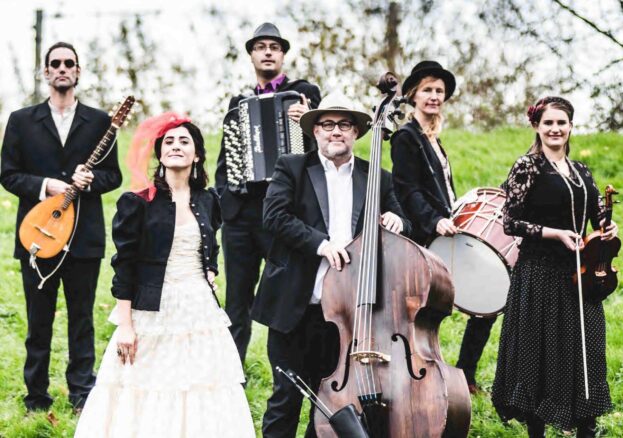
(261, 47)
(329, 125)
(56, 63)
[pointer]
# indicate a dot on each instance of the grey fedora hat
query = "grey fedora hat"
(335, 103)
(267, 31)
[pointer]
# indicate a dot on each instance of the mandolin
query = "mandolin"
(599, 277)
(47, 228)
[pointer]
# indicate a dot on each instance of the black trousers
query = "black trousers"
(245, 244)
(474, 340)
(311, 351)
(79, 277)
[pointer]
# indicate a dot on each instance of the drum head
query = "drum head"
(481, 279)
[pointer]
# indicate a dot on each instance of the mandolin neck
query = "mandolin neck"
(93, 160)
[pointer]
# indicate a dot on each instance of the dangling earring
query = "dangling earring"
(161, 171)
(194, 170)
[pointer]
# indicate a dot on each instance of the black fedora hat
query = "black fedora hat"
(429, 68)
(267, 31)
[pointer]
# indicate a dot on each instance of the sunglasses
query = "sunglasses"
(56, 63)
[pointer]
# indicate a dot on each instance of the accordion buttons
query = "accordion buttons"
(192, 205)
(201, 223)
(196, 214)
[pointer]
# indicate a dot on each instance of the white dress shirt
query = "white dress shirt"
(340, 192)
(63, 122)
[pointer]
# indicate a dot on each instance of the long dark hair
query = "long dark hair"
(535, 113)
(201, 182)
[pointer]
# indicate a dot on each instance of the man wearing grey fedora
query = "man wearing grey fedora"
(314, 208)
(245, 242)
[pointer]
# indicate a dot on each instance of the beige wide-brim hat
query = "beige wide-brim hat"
(335, 103)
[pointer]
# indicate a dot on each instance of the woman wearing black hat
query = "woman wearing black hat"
(424, 186)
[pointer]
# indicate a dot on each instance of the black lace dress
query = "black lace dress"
(539, 370)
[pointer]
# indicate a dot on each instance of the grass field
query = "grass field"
(479, 160)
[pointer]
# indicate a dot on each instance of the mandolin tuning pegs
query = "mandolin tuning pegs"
(110, 113)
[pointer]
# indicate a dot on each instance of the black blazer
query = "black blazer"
(142, 231)
(32, 151)
(296, 211)
(423, 202)
(231, 202)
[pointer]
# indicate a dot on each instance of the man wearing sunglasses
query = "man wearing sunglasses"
(245, 242)
(43, 152)
(314, 208)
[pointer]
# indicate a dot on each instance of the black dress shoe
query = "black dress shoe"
(536, 427)
(587, 429)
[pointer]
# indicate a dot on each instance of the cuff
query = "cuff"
(321, 247)
(42, 192)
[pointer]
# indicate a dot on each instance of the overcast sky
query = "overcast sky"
(79, 21)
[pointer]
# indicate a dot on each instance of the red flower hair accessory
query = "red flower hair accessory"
(533, 111)
(142, 145)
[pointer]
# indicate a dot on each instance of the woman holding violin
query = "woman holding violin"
(424, 186)
(552, 356)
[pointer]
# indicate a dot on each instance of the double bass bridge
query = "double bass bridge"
(366, 357)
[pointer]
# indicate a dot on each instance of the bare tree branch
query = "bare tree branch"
(606, 33)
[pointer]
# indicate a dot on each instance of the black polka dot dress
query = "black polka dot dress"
(540, 367)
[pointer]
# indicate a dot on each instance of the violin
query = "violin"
(599, 277)
(388, 304)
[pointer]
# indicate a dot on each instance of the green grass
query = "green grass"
(479, 160)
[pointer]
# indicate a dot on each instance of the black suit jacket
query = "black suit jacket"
(424, 201)
(231, 202)
(32, 151)
(296, 211)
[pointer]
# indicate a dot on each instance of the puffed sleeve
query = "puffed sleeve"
(126, 235)
(520, 179)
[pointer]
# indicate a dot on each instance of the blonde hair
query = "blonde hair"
(434, 128)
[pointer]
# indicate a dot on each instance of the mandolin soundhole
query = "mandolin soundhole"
(56, 214)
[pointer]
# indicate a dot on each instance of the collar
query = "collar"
(272, 86)
(328, 164)
(70, 110)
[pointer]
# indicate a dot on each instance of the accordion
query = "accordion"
(256, 134)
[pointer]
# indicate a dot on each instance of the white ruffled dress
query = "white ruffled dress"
(186, 379)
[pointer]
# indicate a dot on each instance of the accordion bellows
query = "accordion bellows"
(256, 134)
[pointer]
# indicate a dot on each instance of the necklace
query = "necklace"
(579, 184)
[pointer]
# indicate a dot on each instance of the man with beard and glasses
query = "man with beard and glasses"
(245, 242)
(43, 152)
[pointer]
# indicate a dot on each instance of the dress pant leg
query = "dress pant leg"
(40, 310)
(242, 269)
(283, 408)
(474, 340)
(79, 283)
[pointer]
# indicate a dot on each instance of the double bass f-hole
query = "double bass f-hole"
(396, 337)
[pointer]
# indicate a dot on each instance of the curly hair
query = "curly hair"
(535, 113)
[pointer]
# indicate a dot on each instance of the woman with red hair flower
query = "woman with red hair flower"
(171, 368)
(540, 375)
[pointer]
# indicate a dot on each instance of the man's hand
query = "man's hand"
(296, 111)
(82, 177)
(55, 187)
(392, 222)
(335, 254)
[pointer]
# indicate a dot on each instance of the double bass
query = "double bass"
(388, 304)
